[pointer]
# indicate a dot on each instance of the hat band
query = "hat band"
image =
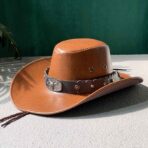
(79, 86)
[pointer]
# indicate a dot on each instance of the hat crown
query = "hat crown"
(79, 59)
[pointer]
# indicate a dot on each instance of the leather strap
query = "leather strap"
(79, 86)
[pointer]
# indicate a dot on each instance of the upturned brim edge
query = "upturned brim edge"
(29, 93)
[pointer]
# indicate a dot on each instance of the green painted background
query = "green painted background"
(38, 25)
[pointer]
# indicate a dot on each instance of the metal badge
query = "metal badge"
(53, 84)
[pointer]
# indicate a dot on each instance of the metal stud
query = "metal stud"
(77, 87)
(92, 86)
(104, 83)
(91, 69)
(94, 80)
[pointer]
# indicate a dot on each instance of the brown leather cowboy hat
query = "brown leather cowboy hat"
(79, 70)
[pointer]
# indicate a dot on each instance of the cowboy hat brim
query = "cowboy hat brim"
(30, 94)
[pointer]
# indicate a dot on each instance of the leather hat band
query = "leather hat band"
(79, 86)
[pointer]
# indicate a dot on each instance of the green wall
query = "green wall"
(37, 25)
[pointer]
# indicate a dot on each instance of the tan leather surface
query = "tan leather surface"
(75, 59)
(79, 59)
(77, 45)
(29, 93)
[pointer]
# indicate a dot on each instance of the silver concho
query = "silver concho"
(53, 84)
